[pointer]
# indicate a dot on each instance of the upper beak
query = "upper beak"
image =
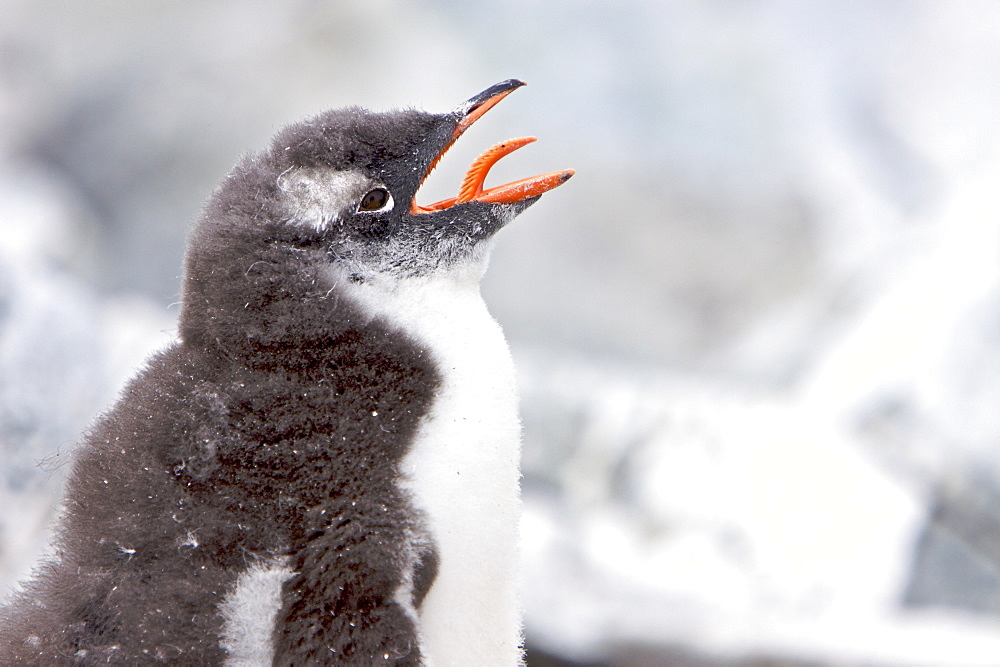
(472, 185)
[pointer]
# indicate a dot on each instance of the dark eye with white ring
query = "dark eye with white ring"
(375, 200)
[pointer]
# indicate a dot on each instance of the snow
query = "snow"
(756, 334)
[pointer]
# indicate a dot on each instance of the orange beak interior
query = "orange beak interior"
(472, 188)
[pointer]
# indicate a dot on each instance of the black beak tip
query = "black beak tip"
(501, 88)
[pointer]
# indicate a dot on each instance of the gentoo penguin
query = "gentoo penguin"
(324, 467)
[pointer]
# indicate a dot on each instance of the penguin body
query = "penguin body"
(465, 448)
(324, 468)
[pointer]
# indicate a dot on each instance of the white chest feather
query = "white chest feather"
(249, 613)
(463, 470)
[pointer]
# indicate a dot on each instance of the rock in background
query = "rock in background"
(757, 332)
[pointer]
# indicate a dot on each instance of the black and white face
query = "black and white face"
(349, 180)
(332, 202)
(369, 228)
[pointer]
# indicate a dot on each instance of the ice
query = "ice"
(757, 332)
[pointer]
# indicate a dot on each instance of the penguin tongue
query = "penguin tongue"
(472, 186)
(475, 178)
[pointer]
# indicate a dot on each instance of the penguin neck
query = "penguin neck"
(462, 471)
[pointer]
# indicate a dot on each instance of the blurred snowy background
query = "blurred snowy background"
(758, 334)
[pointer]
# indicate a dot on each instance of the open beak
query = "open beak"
(472, 188)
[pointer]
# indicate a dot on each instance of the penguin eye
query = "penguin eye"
(375, 200)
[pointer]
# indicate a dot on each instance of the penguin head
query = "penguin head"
(348, 179)
(336, 195)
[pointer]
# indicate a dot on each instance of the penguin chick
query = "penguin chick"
(324, 467)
